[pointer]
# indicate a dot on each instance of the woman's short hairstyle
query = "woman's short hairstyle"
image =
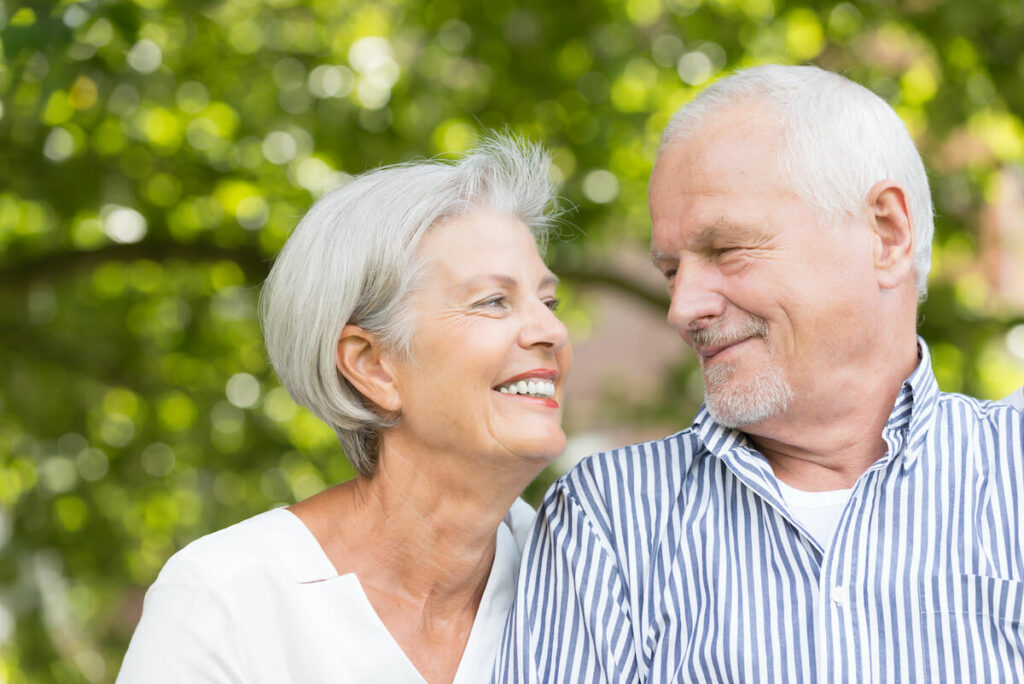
(352, 259)
(838, 140)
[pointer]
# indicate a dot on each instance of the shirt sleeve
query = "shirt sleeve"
(185, 634)
(570, 620)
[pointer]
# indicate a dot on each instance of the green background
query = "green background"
(154, 156)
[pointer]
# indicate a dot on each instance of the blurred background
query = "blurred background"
(154, 156)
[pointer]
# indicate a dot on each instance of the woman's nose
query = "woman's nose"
(544, 328)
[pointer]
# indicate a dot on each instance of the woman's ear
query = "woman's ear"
(894, 236)
(361, 360)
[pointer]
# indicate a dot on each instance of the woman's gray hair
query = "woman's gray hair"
(838, 140)
(352, 259)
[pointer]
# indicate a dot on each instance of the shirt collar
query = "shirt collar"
(717, 439)
(914, 408)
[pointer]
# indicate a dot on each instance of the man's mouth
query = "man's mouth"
(709, 352)
(710, 341)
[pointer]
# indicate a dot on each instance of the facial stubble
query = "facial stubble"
(735, 400)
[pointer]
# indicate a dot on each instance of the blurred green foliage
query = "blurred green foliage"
(155, 155)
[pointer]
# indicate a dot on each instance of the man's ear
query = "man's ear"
(361, 360)
(894, 236)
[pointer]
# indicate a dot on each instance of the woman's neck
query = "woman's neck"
(421, 529)
(420, 537)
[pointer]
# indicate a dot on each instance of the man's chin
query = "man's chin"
(749, 403)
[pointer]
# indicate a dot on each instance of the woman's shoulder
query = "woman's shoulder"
(274, 542)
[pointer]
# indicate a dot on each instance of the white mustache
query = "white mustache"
(718, 334)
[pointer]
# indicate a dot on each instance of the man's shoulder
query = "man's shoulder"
(980, 410)
(1015, 398)
(633, 477)
(632, 460)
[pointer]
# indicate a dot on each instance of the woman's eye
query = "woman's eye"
(553, 303)
(495, 302)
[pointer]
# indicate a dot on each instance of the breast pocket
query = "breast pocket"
(972, 629)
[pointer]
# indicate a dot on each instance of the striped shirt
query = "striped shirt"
(677, 560)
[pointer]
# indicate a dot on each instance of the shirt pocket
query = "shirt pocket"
(972, 629)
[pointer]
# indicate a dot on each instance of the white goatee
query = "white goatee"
(735, 402)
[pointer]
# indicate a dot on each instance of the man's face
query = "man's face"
(776, 306)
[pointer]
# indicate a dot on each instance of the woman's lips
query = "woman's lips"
(537, 378)
(543, 401)
(535, 374)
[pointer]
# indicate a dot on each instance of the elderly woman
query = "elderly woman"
(411, 311)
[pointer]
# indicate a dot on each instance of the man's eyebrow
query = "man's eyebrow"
(657, 257)
(717, 231)
(723, 230)
(701, 239)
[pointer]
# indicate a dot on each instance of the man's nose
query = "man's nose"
(696, 297)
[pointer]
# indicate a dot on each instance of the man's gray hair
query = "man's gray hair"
(838, 140)
(352, 259)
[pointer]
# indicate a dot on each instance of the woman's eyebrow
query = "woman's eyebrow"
(488, 278)
(504, 280)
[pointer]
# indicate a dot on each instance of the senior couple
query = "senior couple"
(829, 515)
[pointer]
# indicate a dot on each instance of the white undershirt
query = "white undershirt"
(818, 512)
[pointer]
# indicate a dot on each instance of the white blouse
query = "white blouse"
(260, 602)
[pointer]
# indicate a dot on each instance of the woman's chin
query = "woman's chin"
(546, 450)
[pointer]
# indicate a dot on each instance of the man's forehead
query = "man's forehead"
(740, 145)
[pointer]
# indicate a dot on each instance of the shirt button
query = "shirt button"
(840, 596)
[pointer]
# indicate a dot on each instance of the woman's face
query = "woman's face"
(489, 358)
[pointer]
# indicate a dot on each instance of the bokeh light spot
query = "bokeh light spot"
(694, 68)
(59, 145)
(71, 512)
(243, 390)
(176, 412)
(600, 186)
(145, 56)
(279, 147)
(805, 37)
(123, 224)
(158, 459)
(278, 405)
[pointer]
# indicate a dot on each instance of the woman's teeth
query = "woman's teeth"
(532, 388)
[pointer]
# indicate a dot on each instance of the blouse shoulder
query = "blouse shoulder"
(519, 520)
(275, 541)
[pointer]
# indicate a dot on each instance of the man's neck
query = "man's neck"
(828, 446)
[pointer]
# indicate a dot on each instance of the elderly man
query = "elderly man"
(830, 515)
